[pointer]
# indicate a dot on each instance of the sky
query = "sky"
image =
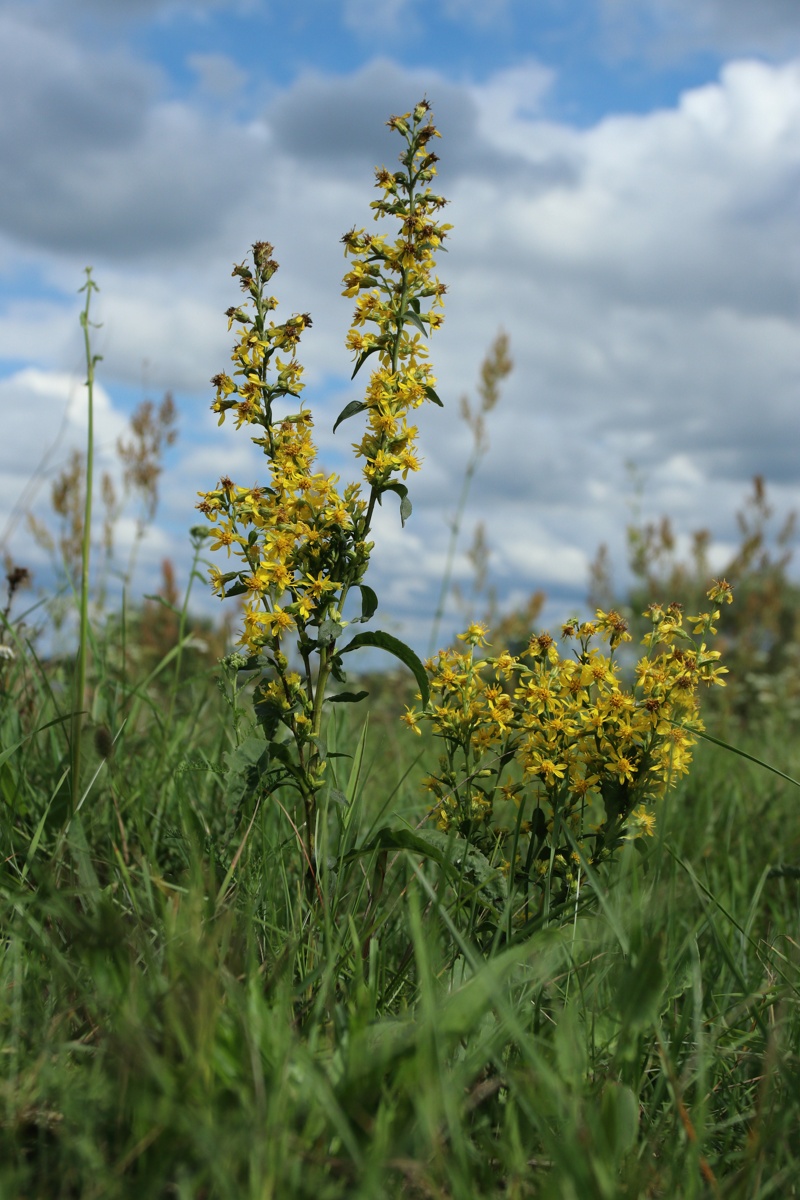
(623, 179)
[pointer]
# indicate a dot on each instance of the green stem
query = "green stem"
(83, 638)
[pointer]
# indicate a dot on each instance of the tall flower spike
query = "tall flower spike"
(390, 281)
(296, 546)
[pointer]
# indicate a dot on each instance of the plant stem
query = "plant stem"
(83, 638)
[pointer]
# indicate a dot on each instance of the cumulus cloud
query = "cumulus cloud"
(671, 28)
(95, 162)
(642, 267)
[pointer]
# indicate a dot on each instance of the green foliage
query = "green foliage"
(180, 1017)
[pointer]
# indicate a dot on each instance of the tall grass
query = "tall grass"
(181, 1018)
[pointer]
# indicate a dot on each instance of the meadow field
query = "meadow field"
(517, 921)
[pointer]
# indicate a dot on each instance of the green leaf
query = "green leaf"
(82, 857)
(473, 866)
(405, 839)
(329, 631)
(431, 394)
(413, 319)
(346, 697)
(464, 1009)
(393, 645)
(238, 589)
(641, 987)
(405, 503)
(349, 410)
(362, 358)
(244, 766)
(619, 1115)
(369, 601)
(336, 669)
(569, 1042)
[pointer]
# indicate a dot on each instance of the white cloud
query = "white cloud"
(643, 268)
(45, 418)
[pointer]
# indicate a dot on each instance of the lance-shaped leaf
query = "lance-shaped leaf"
(431, 394)
(362, 358)
(349, 410)
(414, 319)
(393, 645)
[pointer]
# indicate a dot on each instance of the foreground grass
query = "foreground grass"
(182, 1015)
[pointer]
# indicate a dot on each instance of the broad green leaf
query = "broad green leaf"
(641, 987)
(393, 645)
(349, 410)
(346, 698)
(405, 839)
(570, 1046)
(431, 394)
(244, 766)
(465, 1008)
(471, 863)
(369, 601)
(619, 1114)
(329, 631)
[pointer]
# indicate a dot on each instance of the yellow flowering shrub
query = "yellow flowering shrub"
(550, 762)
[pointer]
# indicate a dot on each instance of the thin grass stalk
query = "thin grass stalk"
(455, 530)
(83, 637)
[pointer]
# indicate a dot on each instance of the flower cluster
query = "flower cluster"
(550, 759)
(299, 541)
(297, 537)
(390, 281)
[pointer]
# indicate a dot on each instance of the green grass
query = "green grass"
(183, 1016)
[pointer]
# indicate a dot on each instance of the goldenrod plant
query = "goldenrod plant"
(301, 542)
(550, 761)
